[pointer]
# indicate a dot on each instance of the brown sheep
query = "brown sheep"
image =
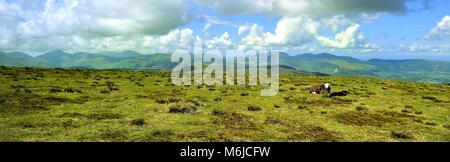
(321, 89)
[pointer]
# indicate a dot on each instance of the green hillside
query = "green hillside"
(76, 105)
(413, 70)
(21, 60)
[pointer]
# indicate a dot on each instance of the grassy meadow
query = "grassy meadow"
(119, 105)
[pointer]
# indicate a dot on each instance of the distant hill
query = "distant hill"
(21, 60)
(302, 64)
(287, 70)
(124, 54)
(417, 70)
(325, 63)
(414, 70)
(116, 60)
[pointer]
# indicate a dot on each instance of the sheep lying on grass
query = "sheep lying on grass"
(321, 89)
(341, 93)
(326, 89)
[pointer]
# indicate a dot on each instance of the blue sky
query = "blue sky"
(360, 28)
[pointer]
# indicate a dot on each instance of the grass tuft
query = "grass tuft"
(138, 121)
(402, 135)
(254, 108)
(183, 107)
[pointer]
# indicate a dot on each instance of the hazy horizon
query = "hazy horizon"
(363, 57)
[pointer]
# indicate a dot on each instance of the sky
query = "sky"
(360, 28)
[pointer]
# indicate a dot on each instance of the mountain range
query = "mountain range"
(302, 64)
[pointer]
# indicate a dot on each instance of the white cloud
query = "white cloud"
(40, 25)
(216, 21)
(182, 39)
(244, 28)
(154, 25)
(305, 24)
(443, 48)
(222, 42)
(206, 27)
(425, 48)
(441, 31)
(2, 6)
(256, 38)
(293, 31)
(212, 20)
(301, 32)
(178, 38)
(273, 8)
(290, 31)
(344, 39)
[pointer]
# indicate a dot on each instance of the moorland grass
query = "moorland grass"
(119, 105)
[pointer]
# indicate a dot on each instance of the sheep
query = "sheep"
(321, 89)
(342, 93)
